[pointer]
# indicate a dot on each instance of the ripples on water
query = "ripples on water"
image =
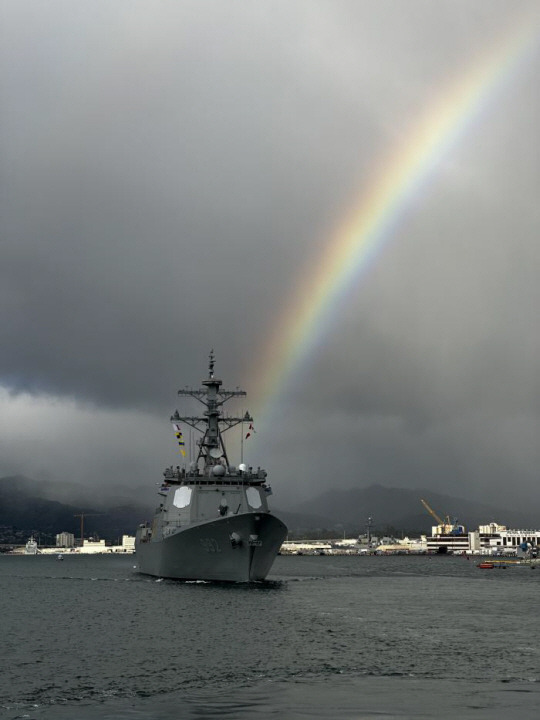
(348, 637)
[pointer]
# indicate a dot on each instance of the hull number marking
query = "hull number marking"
(210, 545)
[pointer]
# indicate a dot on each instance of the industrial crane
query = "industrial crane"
(446, 525)
(82, 516)
(431, 511)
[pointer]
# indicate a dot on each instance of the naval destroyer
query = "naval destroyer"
(213, 521)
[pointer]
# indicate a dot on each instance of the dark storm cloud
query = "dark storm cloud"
(170, 171)
(147, 204)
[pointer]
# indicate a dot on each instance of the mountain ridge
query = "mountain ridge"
(24, 507)
(23, 511)
(401, 508)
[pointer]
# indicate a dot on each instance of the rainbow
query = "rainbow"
(395, 189)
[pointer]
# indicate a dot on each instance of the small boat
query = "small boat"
(486, 565)
(59, 556)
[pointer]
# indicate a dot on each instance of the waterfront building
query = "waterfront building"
(498, 538)
(442, 543)
(306, 547)
(65, 540)
(93, 546)
(490, 539)
(127, 546)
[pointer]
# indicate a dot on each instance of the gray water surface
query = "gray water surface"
(325, 637)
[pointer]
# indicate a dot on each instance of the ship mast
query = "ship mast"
(211, 445)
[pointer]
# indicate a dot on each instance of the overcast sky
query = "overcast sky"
(172, 170)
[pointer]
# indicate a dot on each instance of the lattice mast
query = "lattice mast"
(213, 424)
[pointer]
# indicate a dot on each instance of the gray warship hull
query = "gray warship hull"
(238, 548)
(213, 520)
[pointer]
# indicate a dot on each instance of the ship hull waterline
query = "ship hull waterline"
(237, 548)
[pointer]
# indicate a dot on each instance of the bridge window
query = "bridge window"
(254, 497)
(182, 497)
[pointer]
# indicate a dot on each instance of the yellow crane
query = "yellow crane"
(446, 525)
(432, 512)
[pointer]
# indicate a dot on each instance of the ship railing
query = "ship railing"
(224, 480)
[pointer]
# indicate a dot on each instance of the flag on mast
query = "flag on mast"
(251, 429)
(180, 438)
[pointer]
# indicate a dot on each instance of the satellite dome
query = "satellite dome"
(218, 470)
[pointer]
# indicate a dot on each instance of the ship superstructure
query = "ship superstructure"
(213, 520)
(31, 547)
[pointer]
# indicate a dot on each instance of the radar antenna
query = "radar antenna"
(213, 423)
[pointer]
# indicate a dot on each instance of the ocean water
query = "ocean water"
(324, 637)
